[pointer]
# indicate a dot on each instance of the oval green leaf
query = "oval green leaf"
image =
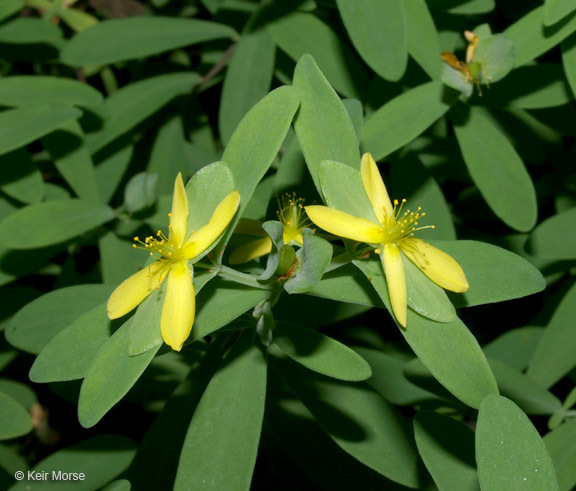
(359, 420)
(34, 326)
(229, 416)
(405, 117)
(532, 38)
(37, 90)
(70, 353)
(110, 376)
(447, 449)
(554, 356)
(14, 418)
(100, 459)
(24, 125)
(497, 170)
(135, 102)
(561, 444)
(258, 138)
(377, 29)
(556, 10)
(447, 349)
(555, 237)
(338, 63)
(247, 79)
(423, 41)
(320, 353)
(509, 451)
(115, 40)
(52, 222)
(494, 274)
(323, 126)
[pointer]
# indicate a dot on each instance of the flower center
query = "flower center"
(401, 225)
(160, 246)
(291, 215)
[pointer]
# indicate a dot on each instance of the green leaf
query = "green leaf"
(30, 30)
(342, 188)
(347, 284)
(140, 192)
(144, 332)
(156, 462)
(531, 87)
(447, 349)
(336, 61)
(258, 138)
(320, 353)
(21, 393)
(248, 78)
(229, 416)
(509, 451)
(497, 170)
(20, 177)
(220, 302)
(494, 274)
(554, 356)
(515, 347)
(39, 90)
(24, 125)
(135, 102)
(411, 180)
(117, 259)
(556, 10)
(168, 155)
(447, 448)
(130, 38)
(110, 376)
(112, 164)
(555, 237)
(313, 258)
(496, 57)
(70, 353)
(569, 61)
(207, 188)
(119, 485)
(100, 459)
(531, 397)
(32, 328)
(532, 38)
(359, 420)
(423, 41)
(465, 7)
(388, 379)
(52, 222)
(10, 7)
(377, 29)
(425, 296)
(323, 126)
(14, 418)
(405, 117)
(561, 444)
(68, 150)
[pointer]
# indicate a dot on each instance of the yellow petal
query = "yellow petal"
(375, 188)
(179, 214)
(396, 281)
(292, 235)
(440, 267)
(203, 238)
(136, 288)
(251, 250)
(345, 225)
(179, 306)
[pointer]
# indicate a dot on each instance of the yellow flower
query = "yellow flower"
(291, 215)
(393, 235)
(175, 254)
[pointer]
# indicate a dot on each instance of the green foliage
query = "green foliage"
(297, 372)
